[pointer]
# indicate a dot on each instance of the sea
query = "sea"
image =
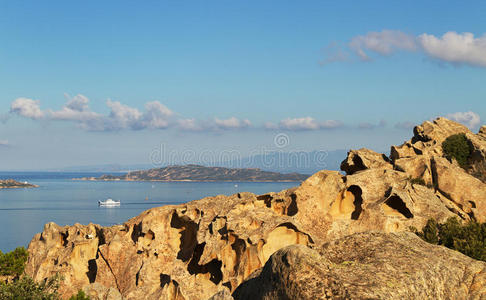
(64, 201)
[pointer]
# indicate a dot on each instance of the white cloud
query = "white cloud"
(156, 116)
(76, 109)
(305, 123)
(330, 124)
(231, 123)
(27, 108)
(122, 116)
(468, 118)
(452, 47)
(189, 125)
(456, 48)
(385, 43)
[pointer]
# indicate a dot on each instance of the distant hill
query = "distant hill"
(281, 162)
(286, 162)
(202, 173)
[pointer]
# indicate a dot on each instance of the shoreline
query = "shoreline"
(182, 180)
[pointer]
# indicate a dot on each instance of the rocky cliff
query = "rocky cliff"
(213, 245)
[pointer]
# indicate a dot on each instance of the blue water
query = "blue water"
(59, 199)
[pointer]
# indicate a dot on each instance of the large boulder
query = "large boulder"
(362, 159)
(369, 265)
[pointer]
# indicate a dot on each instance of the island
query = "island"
(201, 173)
(13, 184)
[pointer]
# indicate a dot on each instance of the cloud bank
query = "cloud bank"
(154, 116)
(468, 118)
(303, 124)
(452, 47)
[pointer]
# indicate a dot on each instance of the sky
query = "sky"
(101, 82)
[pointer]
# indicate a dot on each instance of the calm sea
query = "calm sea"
(59, 199)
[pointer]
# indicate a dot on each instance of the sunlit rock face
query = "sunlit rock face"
(369, 265)
(210, 246)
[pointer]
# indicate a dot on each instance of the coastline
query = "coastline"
(181, 180)
(13, 184)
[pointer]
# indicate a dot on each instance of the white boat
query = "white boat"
(109, 202)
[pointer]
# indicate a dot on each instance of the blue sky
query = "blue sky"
(230, 75)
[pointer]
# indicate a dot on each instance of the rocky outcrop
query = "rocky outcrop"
(13, 184)
(370, 265)
(422, 158)
(362, 159)
(188, 251)
(210, 246)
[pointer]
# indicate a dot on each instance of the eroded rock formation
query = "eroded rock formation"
(371, 265)
(197, 249)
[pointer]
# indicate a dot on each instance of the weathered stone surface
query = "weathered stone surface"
(188, 251)
(96, 291)
(482, 132)
(363, 159)
(197, 249)
(222, 295)
(370, 265)
(468, 192)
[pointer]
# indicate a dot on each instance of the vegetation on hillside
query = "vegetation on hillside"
(202, 173)
(26, 288)
(12, 263)
(468, 238)
(20, 287)
(458, 147)
(79, 296)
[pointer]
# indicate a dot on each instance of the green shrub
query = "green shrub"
(27, 288)
(79, 296)
(13, 263)
(419, 181)
(468, 238)
(458, 147)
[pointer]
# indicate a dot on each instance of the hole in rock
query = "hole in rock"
(164, 280)
(92, 270)
(64, 236)
(358, 201)
(150, 235)
(213, 267)
(239, 247)
(227, 284)
(292, 209)
(267, 199)
(473, 205)
(188, 235)
(101, 236)
(397, 204)
(137, 232)
(358, 165)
